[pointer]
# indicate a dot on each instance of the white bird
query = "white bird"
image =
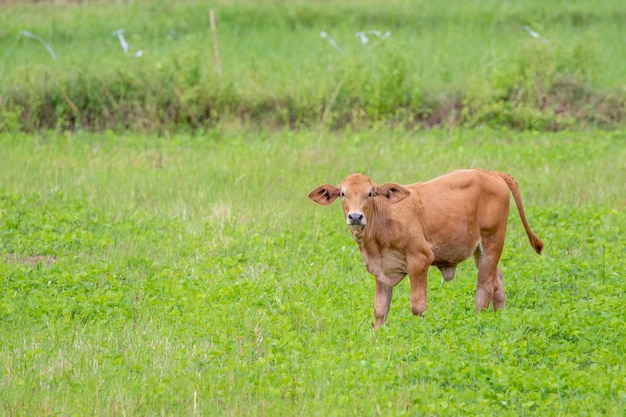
(120, 35)
(40, 39)
(535, 34)
(330, 40)
(364, 39)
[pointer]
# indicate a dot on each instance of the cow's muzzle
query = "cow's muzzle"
(356, 219)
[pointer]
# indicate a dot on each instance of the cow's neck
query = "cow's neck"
(360, 235)
(367, 237)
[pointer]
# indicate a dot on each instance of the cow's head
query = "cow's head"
(358, 194)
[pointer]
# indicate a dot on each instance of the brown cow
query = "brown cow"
(404, 230)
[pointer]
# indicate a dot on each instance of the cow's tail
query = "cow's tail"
(535, 242)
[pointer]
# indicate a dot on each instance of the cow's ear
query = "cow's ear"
(392, 192)
(324, 194)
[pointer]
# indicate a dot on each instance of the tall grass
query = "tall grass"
(470, 63)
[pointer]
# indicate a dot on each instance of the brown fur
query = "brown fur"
(403, 230)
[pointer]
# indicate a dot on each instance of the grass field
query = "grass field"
(158, 254)
(192, 276)
(458, 63)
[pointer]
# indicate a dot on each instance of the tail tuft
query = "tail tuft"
(536, 243)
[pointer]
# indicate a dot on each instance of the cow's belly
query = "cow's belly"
(454, 253)
(389, 267)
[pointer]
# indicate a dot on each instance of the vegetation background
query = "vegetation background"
(468, 63)
(158, 255)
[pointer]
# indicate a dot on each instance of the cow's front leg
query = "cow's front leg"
(418, 274)
(382, 301)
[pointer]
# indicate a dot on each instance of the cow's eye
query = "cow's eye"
(369, 194)
(342, 194)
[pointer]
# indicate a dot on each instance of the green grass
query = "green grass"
(470, 63)
(192, 276)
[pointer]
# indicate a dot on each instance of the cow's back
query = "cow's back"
(457, 207)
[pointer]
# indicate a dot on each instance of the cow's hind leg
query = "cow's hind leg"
(498, 295)
(489, 286)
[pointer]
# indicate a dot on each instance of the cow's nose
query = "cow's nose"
(356, 218)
